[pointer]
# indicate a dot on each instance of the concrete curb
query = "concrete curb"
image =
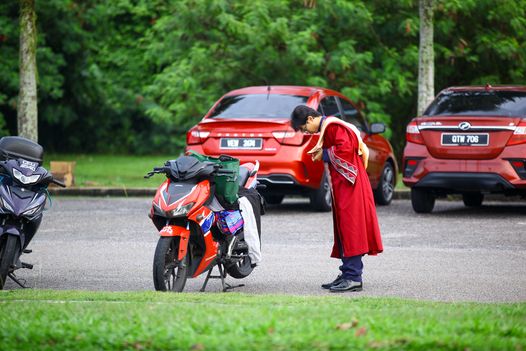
(401, 195)
(98, 192)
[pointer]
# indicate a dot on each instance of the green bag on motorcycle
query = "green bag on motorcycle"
(226, 185)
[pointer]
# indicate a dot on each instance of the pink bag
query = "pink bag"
(229, 222)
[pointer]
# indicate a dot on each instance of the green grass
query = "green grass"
(113, 170)
(55, 320)
(399, 184)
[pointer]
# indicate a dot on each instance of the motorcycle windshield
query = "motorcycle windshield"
(188, 167)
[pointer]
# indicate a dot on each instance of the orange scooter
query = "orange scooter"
(184, 210)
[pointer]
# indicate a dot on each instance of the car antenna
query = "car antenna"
(268, 88)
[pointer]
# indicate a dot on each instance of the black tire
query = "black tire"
(169, 274)
(321, 199)
(422, 200)
(240, 269)
(385, 191)
(274, 199)
(10, 245)
(472, 199)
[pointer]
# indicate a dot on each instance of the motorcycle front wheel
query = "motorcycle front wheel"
(169, 274)
(8, 248)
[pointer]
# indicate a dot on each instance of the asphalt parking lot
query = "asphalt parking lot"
(452, 254)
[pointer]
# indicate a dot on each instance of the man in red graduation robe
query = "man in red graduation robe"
(356, 230)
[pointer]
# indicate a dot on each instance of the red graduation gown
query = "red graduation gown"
(356, 229)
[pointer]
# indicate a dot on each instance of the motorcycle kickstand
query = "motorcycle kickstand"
(225, 286)
(15, 279)
(208, 276)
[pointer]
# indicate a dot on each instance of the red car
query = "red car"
(469, 141)
(254, 124)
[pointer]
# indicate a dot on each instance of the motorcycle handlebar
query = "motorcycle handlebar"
(217, 170)
(156, 170)
(58, 182)
(260, 186)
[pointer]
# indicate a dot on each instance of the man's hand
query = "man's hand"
(316, 153)
(364, 153)
(315, 149)
(317, 156)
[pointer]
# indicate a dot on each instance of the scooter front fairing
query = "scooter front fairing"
(17, 203)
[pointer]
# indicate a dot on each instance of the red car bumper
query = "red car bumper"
(505, 173)
(290, 170)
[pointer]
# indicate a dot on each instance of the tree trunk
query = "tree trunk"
(426, 65)
(27, 113)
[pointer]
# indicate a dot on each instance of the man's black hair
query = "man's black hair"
(299, 116)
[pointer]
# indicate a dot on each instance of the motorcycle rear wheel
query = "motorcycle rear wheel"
(9, 246)
(240, 269)
(169, 274)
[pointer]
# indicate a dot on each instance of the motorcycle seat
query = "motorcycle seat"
(244, 174)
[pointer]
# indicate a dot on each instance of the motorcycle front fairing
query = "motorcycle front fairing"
(177, 200)
(22, 198)
(21, 203)
(20, 213)
(179, 206)
(204, 220)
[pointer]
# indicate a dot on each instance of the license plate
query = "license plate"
(241, 143)
(455, 139)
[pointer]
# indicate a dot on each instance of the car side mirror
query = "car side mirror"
(377, 128)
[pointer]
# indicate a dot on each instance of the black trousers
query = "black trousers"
(352, 268)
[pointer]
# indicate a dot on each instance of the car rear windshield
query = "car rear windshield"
(258, 106)
(479, 103)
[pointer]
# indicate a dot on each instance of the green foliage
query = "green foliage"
(133, 76)
(488, 48)
(34, 320)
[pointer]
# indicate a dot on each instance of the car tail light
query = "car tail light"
(410, 166)
(196, 136)
(412, 133)
(288, 137)
(519, 135)
(520, 167)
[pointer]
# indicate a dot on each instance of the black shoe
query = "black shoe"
(335, 282)
(346, 285)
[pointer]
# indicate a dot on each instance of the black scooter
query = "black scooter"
(23, 196)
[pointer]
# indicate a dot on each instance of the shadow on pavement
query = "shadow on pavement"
(295, 204)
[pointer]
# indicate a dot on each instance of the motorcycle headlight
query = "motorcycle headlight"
(182, 210)
(25, 179)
